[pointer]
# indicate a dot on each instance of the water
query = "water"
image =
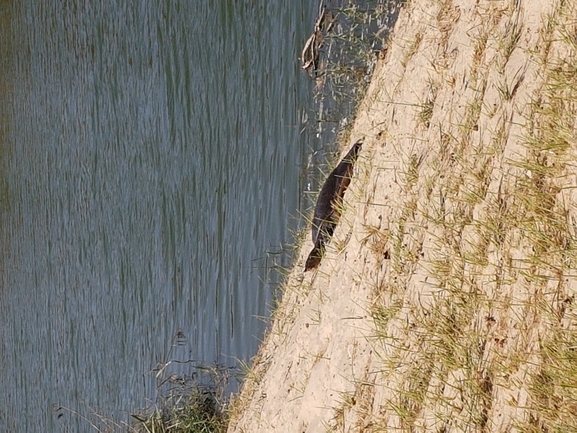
(154, 163)
(152, 159)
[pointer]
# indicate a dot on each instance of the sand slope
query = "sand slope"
(445, 299)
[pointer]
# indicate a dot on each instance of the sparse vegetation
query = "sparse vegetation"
(346, 63)
(190, 406)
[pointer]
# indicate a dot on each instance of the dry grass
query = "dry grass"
(499, 321)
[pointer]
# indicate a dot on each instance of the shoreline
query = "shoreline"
(445, 298)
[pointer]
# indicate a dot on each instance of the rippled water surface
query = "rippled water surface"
(152, 168)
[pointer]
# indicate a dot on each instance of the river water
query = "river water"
(155, 162)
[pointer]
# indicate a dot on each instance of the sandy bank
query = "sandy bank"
(445, 301)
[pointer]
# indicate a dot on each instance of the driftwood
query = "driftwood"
(311, 50)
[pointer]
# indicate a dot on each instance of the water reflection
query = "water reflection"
(156, 158)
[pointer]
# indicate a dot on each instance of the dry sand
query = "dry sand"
(447, 289)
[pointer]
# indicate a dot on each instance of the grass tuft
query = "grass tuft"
(189, 408)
